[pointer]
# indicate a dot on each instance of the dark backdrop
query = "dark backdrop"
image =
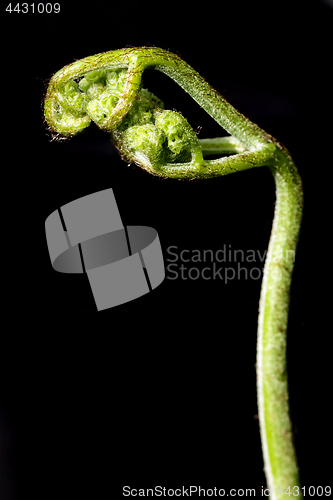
(161, 391)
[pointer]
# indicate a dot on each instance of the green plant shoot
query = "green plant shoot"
(107, 89)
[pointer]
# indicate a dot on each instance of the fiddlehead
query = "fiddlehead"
(147, 135)
(107, 89)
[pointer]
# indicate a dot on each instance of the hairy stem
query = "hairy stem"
(272, 385)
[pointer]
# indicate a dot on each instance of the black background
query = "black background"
(161, 390)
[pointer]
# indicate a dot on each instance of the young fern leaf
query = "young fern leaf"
(106, 88)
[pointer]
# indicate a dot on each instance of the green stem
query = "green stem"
(221, 145)
(253, 148)
(272, 385)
